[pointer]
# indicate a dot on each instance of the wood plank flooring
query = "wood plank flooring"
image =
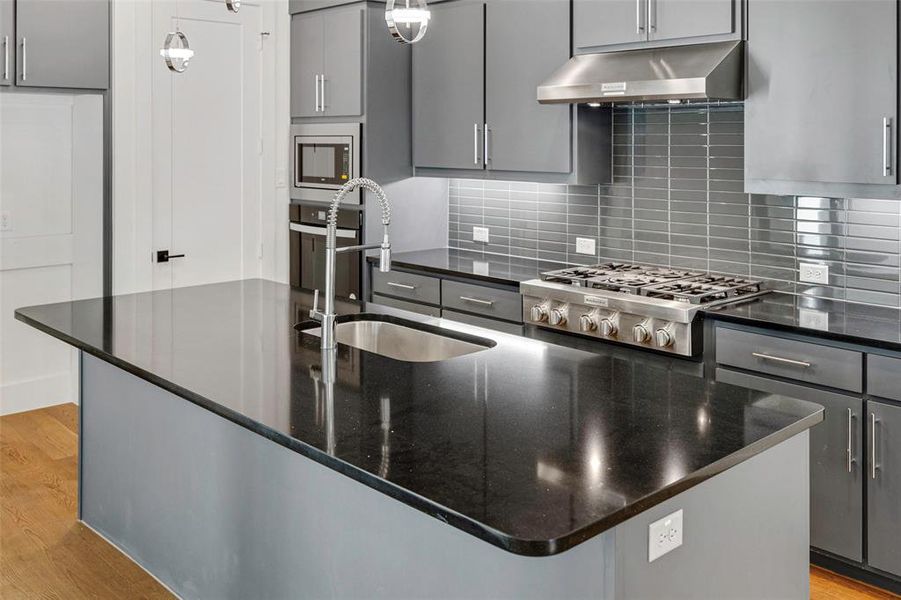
(45, 553)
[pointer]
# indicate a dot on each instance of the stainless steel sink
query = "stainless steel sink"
(403, 343)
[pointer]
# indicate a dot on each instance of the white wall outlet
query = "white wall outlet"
(664, 535)
(814, 273)
(584, 245)
(480, 234)
(6, 223)
(481, 267)
(809, 318)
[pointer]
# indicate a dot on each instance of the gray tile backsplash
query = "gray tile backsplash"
(677, 199)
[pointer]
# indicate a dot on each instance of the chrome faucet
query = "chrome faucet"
(327, 315)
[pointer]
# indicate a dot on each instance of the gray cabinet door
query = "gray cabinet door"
(63, 44)
(674, 19)
(306, 64)
(7, 43)
(519, 54)
(343, 61)
(448, 91)
(836, 491)
(822, 78)
(608, 22)
(884, 487)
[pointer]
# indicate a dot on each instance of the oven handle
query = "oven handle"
(350, 234)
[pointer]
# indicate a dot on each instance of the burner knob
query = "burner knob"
(664, 338)
(587, 324)
(640, 333)
(608, 328)
(557, 316)
(538, 313)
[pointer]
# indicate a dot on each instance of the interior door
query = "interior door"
(306, 63)
(676, 19)
(206, 145)
(7, 43)
(448, 88)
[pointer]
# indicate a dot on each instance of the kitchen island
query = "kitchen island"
(213, 454)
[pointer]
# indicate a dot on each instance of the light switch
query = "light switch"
(480, 234)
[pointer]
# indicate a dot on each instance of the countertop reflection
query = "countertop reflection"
(531, 446)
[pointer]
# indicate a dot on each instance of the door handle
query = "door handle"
(316, 100)
(887, 153)
(24, 59)
(873, 445)
(850, 438)
(322, 231)
(475, 143)
(652, 15)
(485, 145)
(639, 21)
(6, 58)
(164, 256)
(779, 359)
(403, 286)
(322, 93)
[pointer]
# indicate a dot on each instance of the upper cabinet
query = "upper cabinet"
(327, 62)
(475, 79)
(821, 114)
(601, 24)
(55, 44)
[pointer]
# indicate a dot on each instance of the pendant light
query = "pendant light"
(233, 5)
(176, 51)
(407, 24)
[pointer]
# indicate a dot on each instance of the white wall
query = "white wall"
(51, 190)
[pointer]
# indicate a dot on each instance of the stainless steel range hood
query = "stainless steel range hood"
(699, 71)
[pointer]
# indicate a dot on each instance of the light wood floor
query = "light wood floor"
(45, 553)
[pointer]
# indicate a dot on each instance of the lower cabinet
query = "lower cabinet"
(836, 463)
(884, 487)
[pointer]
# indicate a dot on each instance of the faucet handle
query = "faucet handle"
(314, 312)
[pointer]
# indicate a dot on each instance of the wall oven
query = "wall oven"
(324, 156)
(308, 228)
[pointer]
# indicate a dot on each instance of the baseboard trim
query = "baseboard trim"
(855, 571)
(29, 394)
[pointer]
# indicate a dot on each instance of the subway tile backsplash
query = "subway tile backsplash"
(677, 200)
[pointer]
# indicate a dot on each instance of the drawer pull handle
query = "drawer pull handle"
(403, 286)
(477, 301)
(850, 437)
(779, 359)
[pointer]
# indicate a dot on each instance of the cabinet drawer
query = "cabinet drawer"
(408, 286)
(794, 359)
(884, 376)
(497, 325)
(422, 309)
(491, 302)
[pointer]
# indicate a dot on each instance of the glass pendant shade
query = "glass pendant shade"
(406, 23)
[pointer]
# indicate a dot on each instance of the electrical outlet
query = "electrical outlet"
(6, 223)
(809, 318)
(814, 273)
(480, 234)
(584, 245)
(481, 267)
(664, 535)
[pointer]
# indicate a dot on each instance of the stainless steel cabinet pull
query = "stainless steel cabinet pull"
(850, 434)
(652, 15)
(403, 286)
(322, 96)
(6, 58)
(887, 153)
(639, 22)
(485, 145)
(24, 59)
(477, 301)
(317, 94)
(475, 143)
(779, 359)
(873, 448)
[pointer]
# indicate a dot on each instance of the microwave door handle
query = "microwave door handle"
(349, 234)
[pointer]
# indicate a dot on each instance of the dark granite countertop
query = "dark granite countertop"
(873, 326)
(492, 268)
(530, 446)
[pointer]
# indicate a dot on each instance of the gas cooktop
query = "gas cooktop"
(642, 305)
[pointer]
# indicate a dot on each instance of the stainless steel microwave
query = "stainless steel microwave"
(324, 156)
